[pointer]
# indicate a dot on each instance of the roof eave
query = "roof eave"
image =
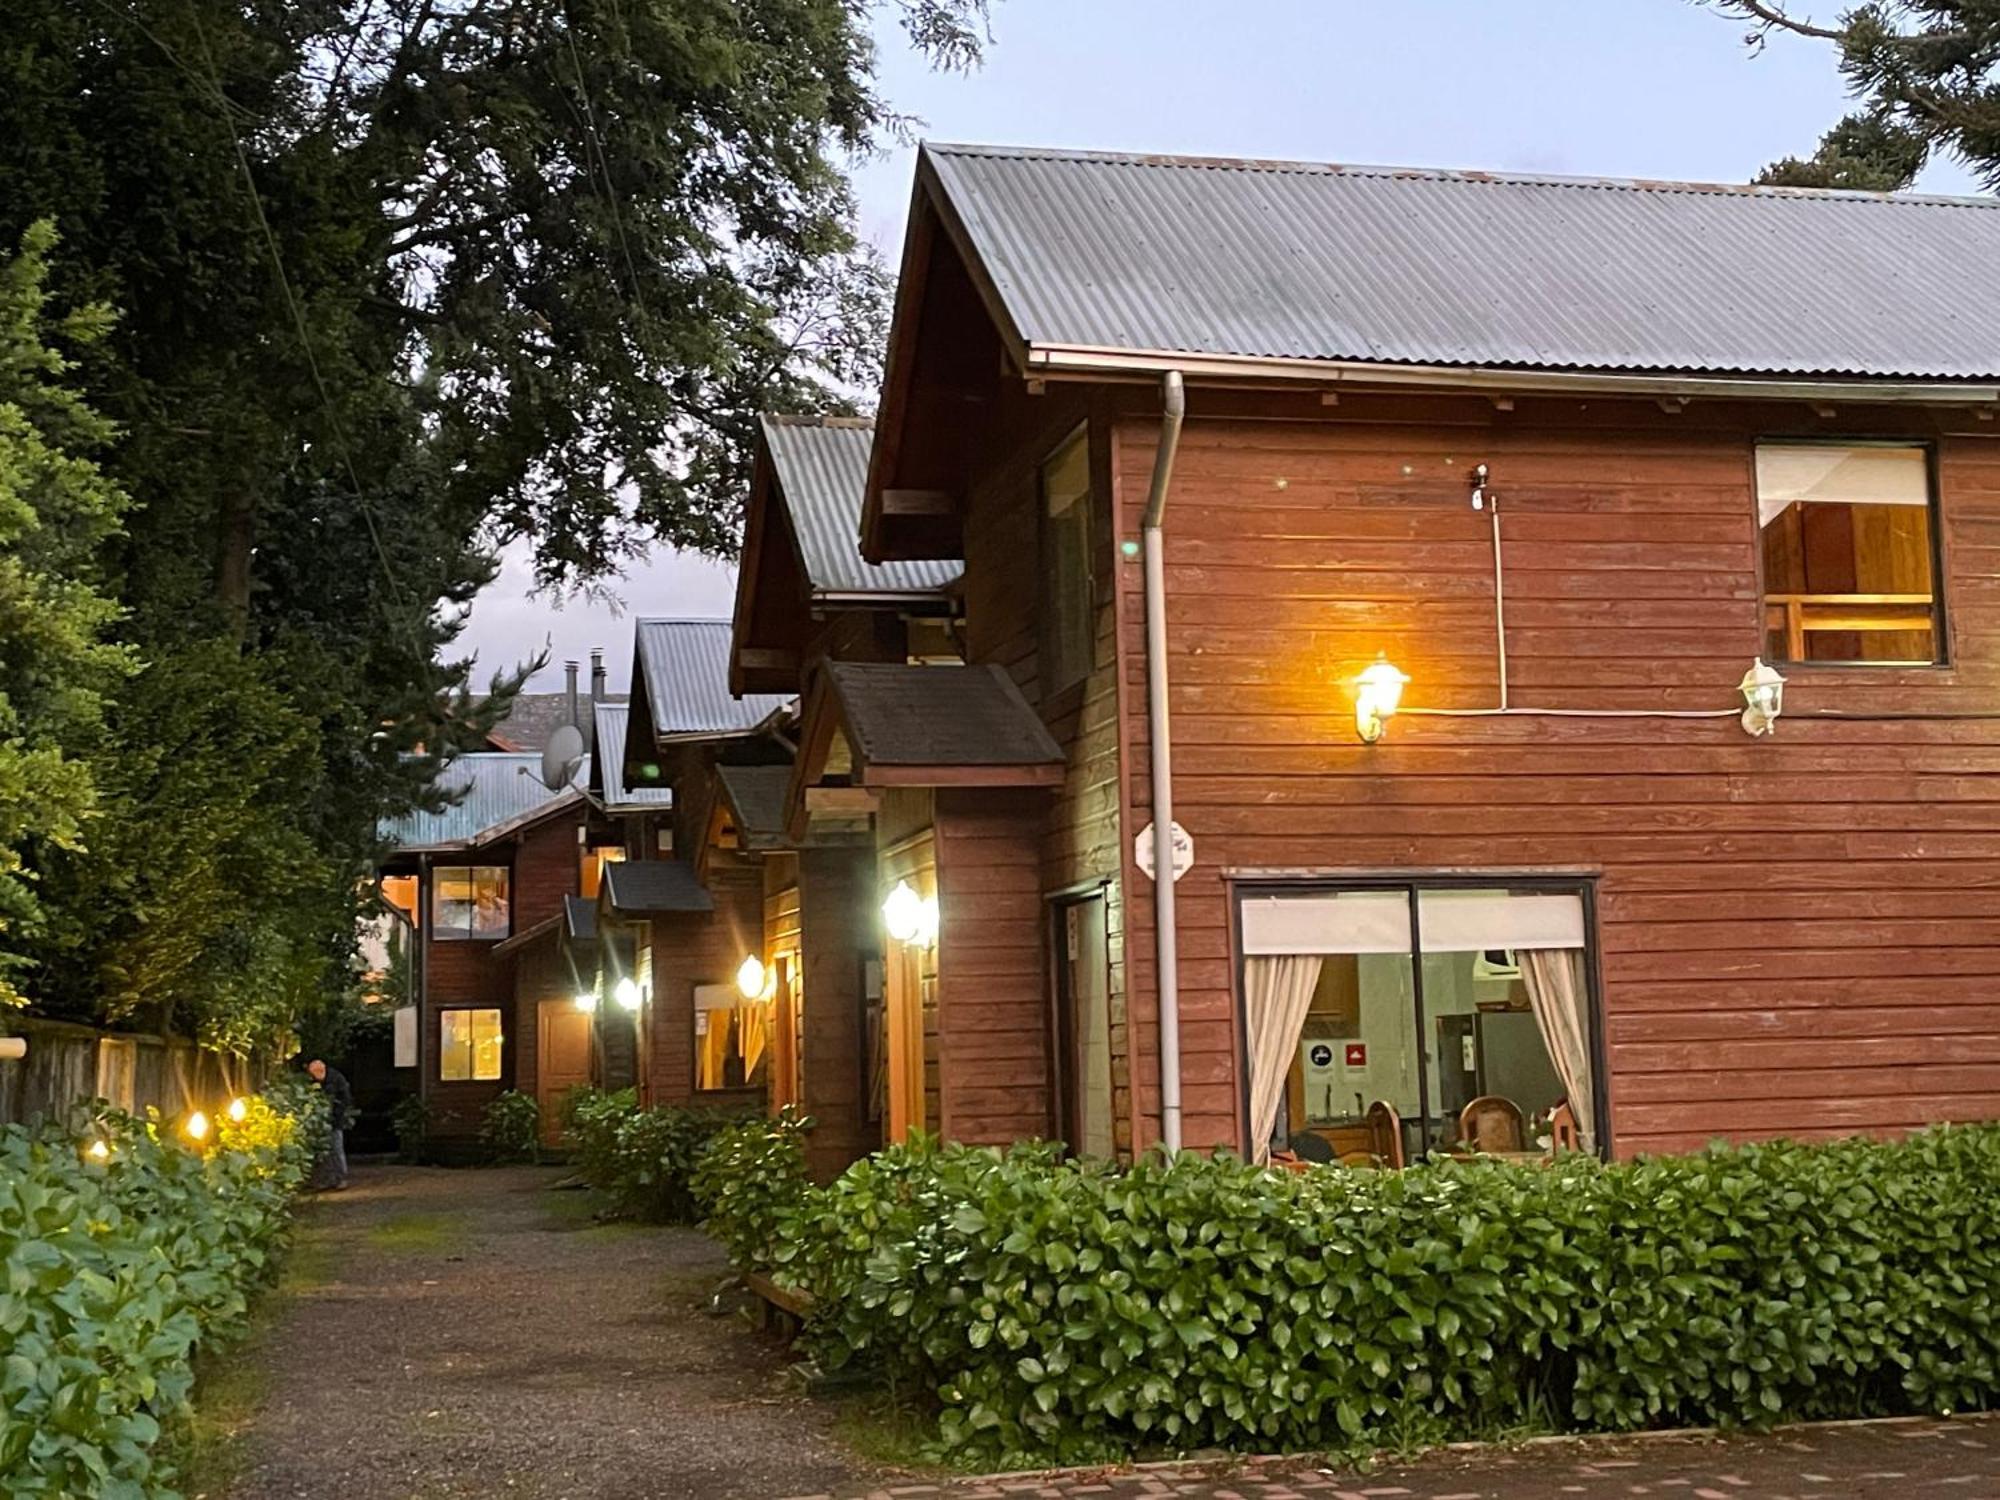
(1086, 362)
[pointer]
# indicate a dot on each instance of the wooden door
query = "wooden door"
(562, 1048)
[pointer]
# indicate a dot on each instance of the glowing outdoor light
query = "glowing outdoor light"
(238, 1108)
(750, 977)
(627, 994)
(903, 913)
(98, 1151)
(196, 1126)
(586, 1001)
(1763, 697)
(1378, 690)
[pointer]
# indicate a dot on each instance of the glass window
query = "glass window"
(469, 1046)
(1066, 580)
(468, 902)
(1848, 548)
(1389, 1022)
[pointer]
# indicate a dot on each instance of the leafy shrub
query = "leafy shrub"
(511, 1129)
(1053, 1307)
(410, 1118)
(749, 1179)
(116, 1268)
(641, 1159)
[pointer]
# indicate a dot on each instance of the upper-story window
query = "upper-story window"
(1066, 580)
(1849, 538)
(469, 902)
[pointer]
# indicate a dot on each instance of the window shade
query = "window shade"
(1825, 473)
(1327, 922)
(1470, 922)
(1379, 922)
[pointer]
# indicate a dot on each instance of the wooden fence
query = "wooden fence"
(67, 1064)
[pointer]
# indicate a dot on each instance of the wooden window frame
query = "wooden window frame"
(472, 1046)
(443, 934)
(1055, 684)
(1581, 884)
(1941, 615)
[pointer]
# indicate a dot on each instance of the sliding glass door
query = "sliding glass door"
(1452, 1014)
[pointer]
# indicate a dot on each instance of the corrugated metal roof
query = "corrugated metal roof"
(611, 720)
(1302, 261)
(822, 469)
(685, 664)
(499, 788)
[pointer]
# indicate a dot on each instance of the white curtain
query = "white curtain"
(1278, 992)
(1561, 1002)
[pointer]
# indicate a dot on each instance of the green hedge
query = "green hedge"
(117, 1269)
(642, 1160)
(1058, 1308)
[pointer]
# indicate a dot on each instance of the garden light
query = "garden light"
(196, 1126)
(238, 1108)
(1763, 697)
(750, 977)
(98, 1151)
(627, 994)
(586, 1001)
(1378, 691)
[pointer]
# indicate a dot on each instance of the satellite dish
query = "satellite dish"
(563, 755)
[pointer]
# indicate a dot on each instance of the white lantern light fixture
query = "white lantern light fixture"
(1763, 698)
(586, 1001)
(627, 993)
(750, 977)
(1378, 692)
(903, 913)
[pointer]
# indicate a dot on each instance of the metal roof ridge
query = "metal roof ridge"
(1469, 175)
(815, 419)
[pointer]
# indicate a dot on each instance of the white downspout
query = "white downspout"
(1173, 401)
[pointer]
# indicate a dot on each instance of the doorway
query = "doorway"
(562, 1052)
(1080, 1026)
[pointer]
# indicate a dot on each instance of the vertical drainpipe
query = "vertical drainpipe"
(1173, 402)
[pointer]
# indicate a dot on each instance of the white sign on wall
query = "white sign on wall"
(1142, 851)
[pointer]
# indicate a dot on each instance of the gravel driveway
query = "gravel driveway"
(474, 1334)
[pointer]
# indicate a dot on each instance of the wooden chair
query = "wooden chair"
(1564, 1133)
(1385, 1128)
(1491, 1123)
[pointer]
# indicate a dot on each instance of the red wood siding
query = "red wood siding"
(993, 1005)
(1799, 935)
(700, 948)
(839, 925)
(1082, 828)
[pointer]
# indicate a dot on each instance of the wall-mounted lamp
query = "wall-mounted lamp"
(586, 1001)
(1763, 697)
(750, 977)
(1378, 691)
(910, 918)
(627, 994)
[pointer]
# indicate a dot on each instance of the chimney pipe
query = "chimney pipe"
(569, 670)
(597, 681)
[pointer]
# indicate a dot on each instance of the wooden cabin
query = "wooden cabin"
(1489, 510)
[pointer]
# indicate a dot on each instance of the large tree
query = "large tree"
(1927, 73)
(399, 281)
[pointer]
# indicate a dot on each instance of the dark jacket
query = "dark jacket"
(339, 1098)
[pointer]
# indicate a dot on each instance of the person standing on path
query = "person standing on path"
(331, 1173)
